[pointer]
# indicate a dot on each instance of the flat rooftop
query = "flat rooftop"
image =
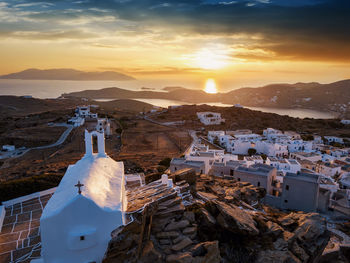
(307, 177)
(306, 154)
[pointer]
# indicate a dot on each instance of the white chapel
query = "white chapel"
(87, 206)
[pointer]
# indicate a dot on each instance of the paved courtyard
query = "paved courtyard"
(20, 235)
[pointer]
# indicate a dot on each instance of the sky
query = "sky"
(237, 43)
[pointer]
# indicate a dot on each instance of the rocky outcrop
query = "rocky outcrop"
(224, 222)
(340, 254)
(161, 229)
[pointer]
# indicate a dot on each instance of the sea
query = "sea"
(54, 88)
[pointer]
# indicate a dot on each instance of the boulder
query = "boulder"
(299, 252)
(189, 215)
(274, 229)
(205, 218)
(179, 258)
(150, 254)
(187, 174)
(206, 252)
(235, 219)
(273, 256)
(189, 230)
(312, 234)
(177, 225)
(185, 242)
(178, 239)
(170, 234)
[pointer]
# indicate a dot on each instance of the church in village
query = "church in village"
(86, 207)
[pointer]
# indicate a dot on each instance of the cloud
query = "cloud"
(50, 35)
(287, 29)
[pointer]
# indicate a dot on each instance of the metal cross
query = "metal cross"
(79, 185)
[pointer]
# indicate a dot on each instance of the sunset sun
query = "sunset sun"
(210, 86)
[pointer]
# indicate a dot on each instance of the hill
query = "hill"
(66, 74)
(126, 105)
(333, 97)
(21, 106)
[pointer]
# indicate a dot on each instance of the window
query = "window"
(231, 172)
(175, 168)
(258, 183)
(287, 187)
(239, 179)
(82, 238)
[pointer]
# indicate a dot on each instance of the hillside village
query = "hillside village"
(297, 174)
(271, 187)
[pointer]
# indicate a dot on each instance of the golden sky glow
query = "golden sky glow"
(178, 40)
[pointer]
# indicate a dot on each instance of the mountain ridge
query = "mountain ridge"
(67, 74)
(331, 97)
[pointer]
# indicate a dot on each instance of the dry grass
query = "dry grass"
(148, 143)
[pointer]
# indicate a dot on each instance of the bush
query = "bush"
(251, 151)
(307, 137)
(165, 162)
(161, 169)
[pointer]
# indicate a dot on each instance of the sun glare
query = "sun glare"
(210, 86)
(209, 59)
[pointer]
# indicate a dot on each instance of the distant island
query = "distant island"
(66, 74)
(332, 97)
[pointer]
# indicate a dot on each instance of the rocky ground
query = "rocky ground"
(208, 219)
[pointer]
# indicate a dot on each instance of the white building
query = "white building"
(76, 121)
(327, 158)
(344, 181)
(272, 161)
(8, 148)
(294, 166)
(251, 160)
(210, 118)
(292, 134)
(338, 153)
(248, 137)
(213, 135)
(239, 144)
(346, 122)
(317, 139)
(299, 146)
(87, 206)
(270, 132)
(84, 112)
(333, 139)
(239, 147)
(199, 153)
(328, 169)
(239, 132)
(271, 149)
(313, 157)
(284, 165)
